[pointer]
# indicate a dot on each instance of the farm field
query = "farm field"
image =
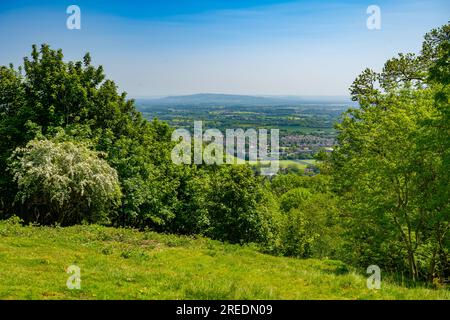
(299, 164)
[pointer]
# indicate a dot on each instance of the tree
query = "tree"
(240, 209)
(386, 171)
(192, 209)
(435, 139)
(48, 94)
(282, 183)
(311, 228)
(293, 198)
(64, 183)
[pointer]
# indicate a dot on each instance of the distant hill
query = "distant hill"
(227, 100)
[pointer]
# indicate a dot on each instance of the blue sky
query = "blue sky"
(263, 47)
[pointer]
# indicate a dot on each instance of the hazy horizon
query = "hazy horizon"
(241, 94)
(250, 47)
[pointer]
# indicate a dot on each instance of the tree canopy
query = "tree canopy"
(392, 160)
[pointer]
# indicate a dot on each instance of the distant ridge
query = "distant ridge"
(215, 99)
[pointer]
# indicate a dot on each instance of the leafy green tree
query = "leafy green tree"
(64, 183)
(192, 209)
(312, 228)
(293, 198)
(434, 138)
(387, 172)
(282, 183)
(48, 94)
(295, 236)
(239, 208)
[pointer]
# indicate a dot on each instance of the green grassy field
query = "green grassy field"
(127, 264)
(299, 164)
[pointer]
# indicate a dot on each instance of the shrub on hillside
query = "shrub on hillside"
(63, 182)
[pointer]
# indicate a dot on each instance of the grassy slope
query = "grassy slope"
(126, 264)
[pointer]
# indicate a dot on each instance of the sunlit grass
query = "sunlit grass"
(127, 264)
